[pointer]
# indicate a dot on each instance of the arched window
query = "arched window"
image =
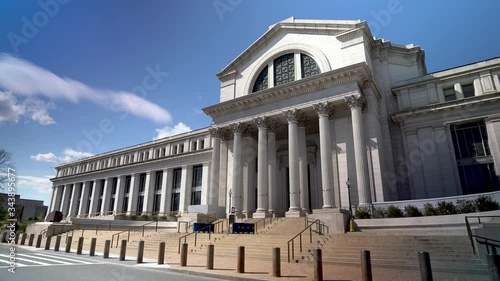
(309, 66)
(284, 69)
(261, 82)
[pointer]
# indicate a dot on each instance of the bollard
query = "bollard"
(494, 267)
(69, 239)
(240, 266)
(276, 262)
(58, 243)
(47, 242)
(39, 241)
(4, 237)
(93, 241)
(123, 250)
(16, 239)
(30, 241)
(366, 265)
(80, 246)
(107, 245)
(210, 256)
(161, 253)
(184, 254)
(425, 266)
(23, 238)
(140, 251)
(318, 265)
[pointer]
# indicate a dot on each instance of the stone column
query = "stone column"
(237, 180)
(186, 180)
(262, 169)
(271, 166)
(94, 197)
(293, 163)
(52, 199)
(356, 104)
(166, 191)
(213, 190)
(74, 200)
(84, 198)
(304, 191)
(132, 194)
(324, 109)
(65, 199)
(106, 196)
(149, 192)
(120, 194)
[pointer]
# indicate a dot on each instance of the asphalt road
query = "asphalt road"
(39, 265)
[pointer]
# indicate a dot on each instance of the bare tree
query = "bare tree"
(5, 164)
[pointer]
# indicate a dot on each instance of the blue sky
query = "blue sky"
(84, 77)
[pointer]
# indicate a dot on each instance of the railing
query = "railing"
(472, 236)
(130, 213)
(131, 229)
(263, 221)
(320, 227)
(195, 233)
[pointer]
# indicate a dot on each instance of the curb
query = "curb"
(213, 275)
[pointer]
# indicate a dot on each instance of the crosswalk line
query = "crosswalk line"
(17, 264)
(63, 258)
(41, 258)
(28, 260)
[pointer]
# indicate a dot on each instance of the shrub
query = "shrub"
(394, 212)
(465, 206)
(154, 218)
(446, 208)
(429, 210)
(133, 217)
(412, 211)
(362, 214)
(144, 217)
(486, 203)
(379, 213)
(164, 218)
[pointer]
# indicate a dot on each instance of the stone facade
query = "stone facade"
(310, 106)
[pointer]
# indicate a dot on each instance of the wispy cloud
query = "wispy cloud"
(40, 184)
(19, 77)
(68, 155)
(170, 131)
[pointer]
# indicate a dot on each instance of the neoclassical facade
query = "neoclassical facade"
(310, 111)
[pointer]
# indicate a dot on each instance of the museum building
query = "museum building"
(314, 115)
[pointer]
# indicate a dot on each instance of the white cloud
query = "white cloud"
(170, 131)
(68, 155)
(22, 78)
(40, 184)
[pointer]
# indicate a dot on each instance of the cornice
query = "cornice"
(355, 73)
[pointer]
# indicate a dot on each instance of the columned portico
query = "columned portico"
(262, 169)
(356, 104)
(293, 163)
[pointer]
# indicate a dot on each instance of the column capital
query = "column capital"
(293, 115)
(217, 132)
(324, 109)
(355, 101)
(274, 125)
(262, 122)
(238, 128)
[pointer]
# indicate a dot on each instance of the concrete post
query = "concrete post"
(107, 245)
(318, 265)
(16, 239)
(240, 265)
(366, 265)
(140, 251)
(4, 237)
(80, 245)
(184, 253)
(210, 256)
(276, 262)
(69, 240)
(425, 266)
(161, 253)
(123, 249)
(58, 243)
(23, 238)
(39, 241)
(93, 241)
(47, 242)
(494, 267)
(30, 241)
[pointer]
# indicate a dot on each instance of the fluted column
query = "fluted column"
(293, 163)
(356, 104)
(84, 199)
(271, 166)
(304, 191)
(68, 188)
(213, 191)
(237, 180)
(57, 198)
(106, 196)
(262, 172)
(323, 109)
(74, 200)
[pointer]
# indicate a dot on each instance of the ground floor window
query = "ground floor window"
(125, 203)
(176, 196)
(156, 202)
(140, 203)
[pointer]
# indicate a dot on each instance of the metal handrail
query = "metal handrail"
(264, 223)
(130, 229)
(196, 234)
(319, 225)
(471, 236)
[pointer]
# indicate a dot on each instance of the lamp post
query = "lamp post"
(230, 196)
(351, 217)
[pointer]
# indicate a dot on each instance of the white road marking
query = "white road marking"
(30, 261)
(40, 258)
(61, 258)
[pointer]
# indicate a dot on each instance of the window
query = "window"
(449, 94)
(309, 66)
(159, 179)
(474, 160)
(128, 180)
(202, 144)
(194, 146)
(468, 90)
(156, 202)
(284, 69)
(177, 178)
(261, 82)
(196, 186)
(176, 196)
(176, 189)
(174, 150)
(163, 151)
(114, 186)
(140, 204)
(181, 148)
(142, 182)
